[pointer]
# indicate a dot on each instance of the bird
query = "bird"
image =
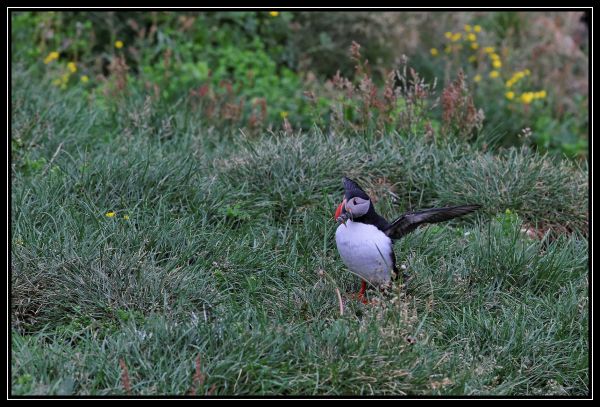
(365, 239)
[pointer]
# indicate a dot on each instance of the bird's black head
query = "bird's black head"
(356, 202)
(353, 190)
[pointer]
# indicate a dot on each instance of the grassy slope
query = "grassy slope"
(228, 254)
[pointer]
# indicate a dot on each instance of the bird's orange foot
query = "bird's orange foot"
(359, 297)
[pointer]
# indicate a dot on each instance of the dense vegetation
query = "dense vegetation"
(174, 177)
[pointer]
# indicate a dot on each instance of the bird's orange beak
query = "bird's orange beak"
(339, 209)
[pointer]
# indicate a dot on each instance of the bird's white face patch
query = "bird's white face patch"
(357, 207)
(366, 251)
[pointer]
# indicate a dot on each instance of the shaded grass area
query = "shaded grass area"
(228, 255)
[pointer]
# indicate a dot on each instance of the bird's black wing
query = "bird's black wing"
(409, 221)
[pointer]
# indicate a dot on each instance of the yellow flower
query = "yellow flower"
(497, 64)
(472, 58)
(510, 95)
(118, 44)
(110, 214)
(456, 37)
(51, 57)
(474, 45)
(284, 115)
(274, 13)
(434, 51)
(72, 67)
(539, 95)
(527, 97)
(495, 56)
(494, 74)
(126, 217)
(477, 78)
(517, 76)
(471, 37)
(467, 28)
(448, 34)
(85, 79)
(477, 28)
(489, 50)
(447, 49)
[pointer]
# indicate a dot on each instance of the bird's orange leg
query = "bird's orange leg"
(361, 294)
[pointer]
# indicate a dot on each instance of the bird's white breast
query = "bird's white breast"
(366, 251)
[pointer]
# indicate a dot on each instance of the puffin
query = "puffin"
(365, 239)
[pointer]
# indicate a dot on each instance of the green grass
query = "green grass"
(228, 255)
